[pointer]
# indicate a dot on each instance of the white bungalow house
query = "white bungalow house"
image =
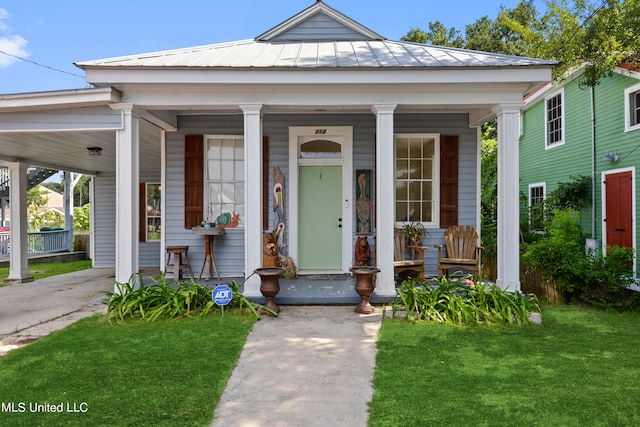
(319, 96)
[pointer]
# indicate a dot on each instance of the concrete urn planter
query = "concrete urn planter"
(364, 287)
(270, 285)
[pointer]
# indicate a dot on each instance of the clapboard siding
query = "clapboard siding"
(105, 224)
(320, 27)
(449, 124)
(104, 221)
(230, 248)
(574, 157)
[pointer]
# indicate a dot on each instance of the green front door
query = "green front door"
(320, 218)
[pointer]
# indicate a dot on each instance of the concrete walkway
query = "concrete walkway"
(31, 310)
(311, 366)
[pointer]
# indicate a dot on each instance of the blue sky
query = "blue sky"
(59, 33)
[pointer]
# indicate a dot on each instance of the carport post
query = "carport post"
(19, 257)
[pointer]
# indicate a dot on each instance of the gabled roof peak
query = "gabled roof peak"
(319, 22)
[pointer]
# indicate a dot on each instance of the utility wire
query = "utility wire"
(581, 26)
(42, 65)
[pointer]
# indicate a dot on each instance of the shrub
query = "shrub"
(164, 299)
(560, 256)
(464, 302)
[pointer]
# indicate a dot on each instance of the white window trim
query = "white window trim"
(206, 166)
(627, 108)
(544, 194)
(146, 212)
(436, 178)
(548, 146)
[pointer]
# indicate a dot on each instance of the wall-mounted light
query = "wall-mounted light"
(94, 151)
(611, 157)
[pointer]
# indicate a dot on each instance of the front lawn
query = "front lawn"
(42, 270)
(163, 373)
(581, 367)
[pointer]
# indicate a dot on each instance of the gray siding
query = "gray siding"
(104, 221)
(229, 249)
(320, 27)
(105, 224)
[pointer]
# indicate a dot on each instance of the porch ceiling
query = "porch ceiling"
(67, 150)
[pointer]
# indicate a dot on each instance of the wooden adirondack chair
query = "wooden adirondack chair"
(462, 250)
(401, 264)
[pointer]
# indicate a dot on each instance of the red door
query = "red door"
(619, 209)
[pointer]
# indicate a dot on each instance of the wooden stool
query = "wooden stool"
(178, 265)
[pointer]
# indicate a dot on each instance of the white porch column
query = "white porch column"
(508, 196)
(127, 194)
(385, 198)
(252, 196)
(68, 209)
(18, 258)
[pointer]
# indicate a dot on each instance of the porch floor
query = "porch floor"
(312, 289)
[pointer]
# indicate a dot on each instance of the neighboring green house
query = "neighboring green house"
(572, 130)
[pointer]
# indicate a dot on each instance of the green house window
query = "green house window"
(554, 120)
(153, 211)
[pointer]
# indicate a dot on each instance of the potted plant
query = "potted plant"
(414, 231)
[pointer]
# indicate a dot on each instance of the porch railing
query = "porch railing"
(38, 242)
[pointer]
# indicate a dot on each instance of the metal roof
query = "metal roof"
(318, 37)
(380, 54)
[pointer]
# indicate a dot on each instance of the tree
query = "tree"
(438, 35)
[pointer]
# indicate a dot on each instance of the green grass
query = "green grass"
(40, 271)
(581, 367)
(164, 373)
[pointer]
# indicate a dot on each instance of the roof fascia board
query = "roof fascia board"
(551, 87)
(318, 7)
(507, 75)
(59, 99)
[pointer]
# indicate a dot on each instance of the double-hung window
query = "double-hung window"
(224, 179)
(153, 211)
(536, 206)
(554, 119)
(417, 166)
(632, 108)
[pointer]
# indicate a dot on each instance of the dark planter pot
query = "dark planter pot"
(364, 287)
(270, 285)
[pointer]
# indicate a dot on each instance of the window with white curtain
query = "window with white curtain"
(224, 177)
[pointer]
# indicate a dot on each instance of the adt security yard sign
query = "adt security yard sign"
(222, 295)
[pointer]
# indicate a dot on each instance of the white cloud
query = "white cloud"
(11, 45)
(3, 15)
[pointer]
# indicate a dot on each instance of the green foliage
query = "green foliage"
(489, 192)
(171, 300)
(82, 218)
(560, 253)
(438, 35)
(574, 195)
(597, 35)
(594, 279)
(465, 302)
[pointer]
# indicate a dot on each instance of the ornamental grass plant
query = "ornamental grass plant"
(164, 299)
(464, 302)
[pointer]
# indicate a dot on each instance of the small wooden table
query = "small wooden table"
(209, 262)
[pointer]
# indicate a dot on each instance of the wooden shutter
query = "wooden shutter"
(448, 180)
(142, 213)
(193, 180)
